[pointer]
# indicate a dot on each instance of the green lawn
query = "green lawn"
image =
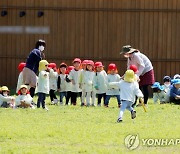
(75, 129)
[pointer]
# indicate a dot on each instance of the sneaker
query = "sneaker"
(119, 105)
(119, 120)
(32, 107)
(133, 114)
(93, 105)
(106, 106)
(99, 105)
(52, 103)
(55, 101)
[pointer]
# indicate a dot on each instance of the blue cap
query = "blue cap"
(175, 81)
(157, 85)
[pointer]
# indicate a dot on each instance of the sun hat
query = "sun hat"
(175, 81)
(134, 68)
(4, 88)
(90, 62)
(98, 64)
(77, 60)
(125, 49)
(42, 65)
(112, 66)
(129, 76)
(23, 86)
(85, 62)
(63, 65)
(176, 76)
(166, 79)
(157, 85)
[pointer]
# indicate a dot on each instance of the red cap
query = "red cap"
(98, 64)
(69, 69)
(21, 66)
(85, 61)
(90, 62)
(112, 67)
(52, 65)
(77, 60)
(134, 68)
(63, 65)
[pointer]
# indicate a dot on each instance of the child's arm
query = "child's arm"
(113, 84)
(28, 99)
(6, 99)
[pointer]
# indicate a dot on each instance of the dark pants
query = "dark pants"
(74, 96)
(100, 96)
(173, 100)
(52, 95)
(32, 91)
(41, 100)
(68, 96)
(145, 92)
(62, 95)
(108, 98)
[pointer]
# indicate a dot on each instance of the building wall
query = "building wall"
(92, 29)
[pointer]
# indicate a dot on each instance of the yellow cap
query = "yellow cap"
(129, 76)
(43, 65)
(4, 88)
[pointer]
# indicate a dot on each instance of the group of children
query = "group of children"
(168, 92)
(87, 80)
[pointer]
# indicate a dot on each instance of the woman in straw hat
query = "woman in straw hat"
(145, 68)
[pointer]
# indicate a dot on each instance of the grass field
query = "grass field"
(75, 129)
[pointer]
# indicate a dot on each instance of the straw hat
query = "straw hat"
(23, 86)
(4, 88)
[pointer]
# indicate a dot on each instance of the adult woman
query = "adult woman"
(32, 65)
(144, 65)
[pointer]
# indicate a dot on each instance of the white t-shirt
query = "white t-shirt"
(113, 78)
(75, 75)
(100, 82)
(142, 62)
(27, 98)
(43, 82)
(88, 81)
(53, 76)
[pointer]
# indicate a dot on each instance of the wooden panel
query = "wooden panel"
(93, 29)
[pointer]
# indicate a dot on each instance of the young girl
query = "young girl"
(129, 89)
(74, 76)
(5, 99)
(159, 93)
(20, 77)
(99, 82)
(53, 77)
(43, 84)
(82, 84)
(88, 83)
(24, 99)
(68, 84)
(62, 82)
(112, 77)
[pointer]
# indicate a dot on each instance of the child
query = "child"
(112, 77)
(43, 84)
(129, 89)
(159, 93)
(53, 77)
(99, 82)
(82, 84)
(62, 82)
(74, 77)
(24, 99)
(175, 91)
(20, 77)
(5, 99)
(68, 84)
(176, 76)
(88, 83)
(167, 85)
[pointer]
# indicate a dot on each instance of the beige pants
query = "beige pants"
(29, 77)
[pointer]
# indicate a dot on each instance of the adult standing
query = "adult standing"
(32, 65)
(144, 65)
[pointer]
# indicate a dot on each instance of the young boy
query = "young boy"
(175, 91)
(129, 89)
